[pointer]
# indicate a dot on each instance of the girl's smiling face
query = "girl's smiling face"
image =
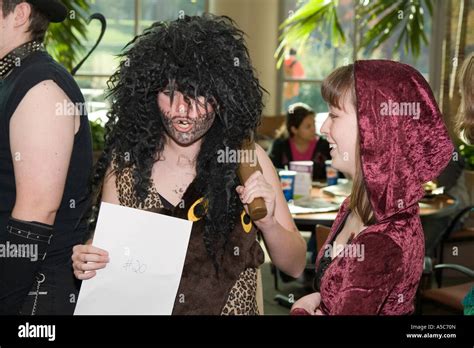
(341, 130)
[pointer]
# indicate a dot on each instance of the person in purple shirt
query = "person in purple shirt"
(297, 141)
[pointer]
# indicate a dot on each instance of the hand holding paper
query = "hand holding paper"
(147, 253)
(87, 259)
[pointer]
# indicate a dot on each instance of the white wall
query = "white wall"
(259, 20)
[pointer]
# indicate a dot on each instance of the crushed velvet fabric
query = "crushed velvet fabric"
(400, 150)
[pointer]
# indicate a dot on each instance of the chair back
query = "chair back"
(322, 234)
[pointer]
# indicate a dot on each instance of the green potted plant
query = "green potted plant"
(386, 18)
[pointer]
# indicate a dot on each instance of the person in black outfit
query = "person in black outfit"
(45, 165)
(297, 141)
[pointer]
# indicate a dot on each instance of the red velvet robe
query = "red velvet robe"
(399, 152)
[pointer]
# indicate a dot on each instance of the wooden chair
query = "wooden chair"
(267, 129)
(269, 125)
(321, 234)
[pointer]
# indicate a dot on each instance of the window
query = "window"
(125, 19)
(303, 71)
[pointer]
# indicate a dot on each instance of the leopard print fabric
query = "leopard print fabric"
(126, 196)
(242, 299)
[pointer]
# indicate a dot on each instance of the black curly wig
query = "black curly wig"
(206, 56)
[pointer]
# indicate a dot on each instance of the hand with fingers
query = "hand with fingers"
(257, 186)
(307, 305)
(87, 259)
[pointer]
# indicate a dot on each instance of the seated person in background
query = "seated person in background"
(298, 141)
(372, 260)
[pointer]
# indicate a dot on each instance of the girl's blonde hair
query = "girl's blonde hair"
(465, 118)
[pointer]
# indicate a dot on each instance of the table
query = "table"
(436, 207)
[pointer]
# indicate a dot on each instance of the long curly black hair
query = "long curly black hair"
(206, 56)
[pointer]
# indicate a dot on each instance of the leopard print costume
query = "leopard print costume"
(242, 298)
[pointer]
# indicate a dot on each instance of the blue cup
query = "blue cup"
(331, 173)
(287, 180)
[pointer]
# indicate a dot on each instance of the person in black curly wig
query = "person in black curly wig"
(185, 93)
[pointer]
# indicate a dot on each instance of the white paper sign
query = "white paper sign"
(147, 252)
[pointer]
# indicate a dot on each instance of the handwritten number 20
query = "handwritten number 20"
(135, 266)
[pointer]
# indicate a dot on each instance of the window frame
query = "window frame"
(434, 60)
(136, 27)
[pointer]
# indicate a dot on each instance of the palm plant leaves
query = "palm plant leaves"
(404, 16)
(314, 16)
(385, 17)
(63, 40)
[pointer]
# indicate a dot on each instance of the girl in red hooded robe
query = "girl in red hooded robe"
(386, 132)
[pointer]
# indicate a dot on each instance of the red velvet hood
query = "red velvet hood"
(403, 139)
(402, 146)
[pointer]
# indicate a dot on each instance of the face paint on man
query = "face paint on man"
(185, 120)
